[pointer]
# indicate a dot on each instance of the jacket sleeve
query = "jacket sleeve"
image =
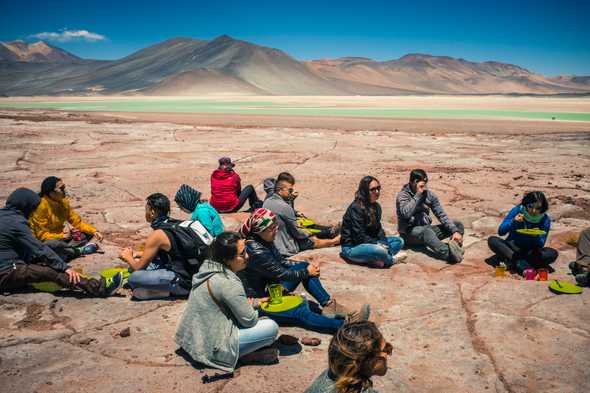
(358, 226)
(234, 298)
(265, 264)
(381, 233)
(77, 222)
(407, 204)
(290, 219)
(39, 222)
(439, 212)
(37, 250)
(508, 224)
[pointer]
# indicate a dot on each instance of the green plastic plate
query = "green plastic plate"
(47, 286)
(558, 286)
(305, 222)
(531, 232)
(288, 303)
(110, 273)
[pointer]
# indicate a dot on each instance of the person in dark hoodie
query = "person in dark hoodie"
(413, 205)
(227, 195)
(26, 260)
(580, 268)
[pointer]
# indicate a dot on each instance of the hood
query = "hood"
(407, 188)
(208, 269)
(269, 186)
(23, 200)
(220, 174)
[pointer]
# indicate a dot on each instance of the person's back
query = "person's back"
(225, 188)
(209, 217)
(12, 225)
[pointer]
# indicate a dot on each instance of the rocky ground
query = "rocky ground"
(453, 328)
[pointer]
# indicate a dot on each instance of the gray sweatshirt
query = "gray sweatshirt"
(208, 333)
(414, 210)
(289, 234)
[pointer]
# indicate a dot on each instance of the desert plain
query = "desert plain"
(454, 328)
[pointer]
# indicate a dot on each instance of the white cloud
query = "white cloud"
(70, 35)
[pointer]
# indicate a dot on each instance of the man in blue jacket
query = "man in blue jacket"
(25, 260)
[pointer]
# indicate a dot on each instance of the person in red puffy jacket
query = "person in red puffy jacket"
(227, 195)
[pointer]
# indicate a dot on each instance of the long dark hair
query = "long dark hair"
(363, 198)
(225, 247)
(48, 185)
(352, 356)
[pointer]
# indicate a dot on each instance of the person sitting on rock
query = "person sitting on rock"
(318, 230)
(363, 238)
(48, 223)
(171, 255)
(291, 239)
(357, 352)
(25, 260)
(413, 205)
(189, 201)
(267, 266)
(227, 195)
(219, 324)
(521, 251)
(581, 266)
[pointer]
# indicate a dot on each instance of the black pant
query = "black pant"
(23, 274)
(248, 194)
(431, 236)
(68, 249)
(521, 259)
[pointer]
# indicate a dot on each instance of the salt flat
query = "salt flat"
(453, 328)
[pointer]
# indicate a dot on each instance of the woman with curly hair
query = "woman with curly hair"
(356, 353)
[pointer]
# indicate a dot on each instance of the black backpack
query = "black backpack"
(190, 246)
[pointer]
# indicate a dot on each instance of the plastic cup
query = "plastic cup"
(500, 270)
(543, 274)
(275, 292)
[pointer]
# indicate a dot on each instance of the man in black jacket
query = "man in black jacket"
(25, 260)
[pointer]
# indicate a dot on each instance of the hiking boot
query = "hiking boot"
(335, 310)
(88, 249)
(362, 315)
(335, 230)
(113, 284)
(583, 279)
(268, 355)
(400, 257)
(455, 252)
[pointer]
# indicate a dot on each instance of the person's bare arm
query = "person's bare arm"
(155, 242)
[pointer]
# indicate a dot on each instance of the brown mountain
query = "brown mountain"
(38, 52)
(185, 66)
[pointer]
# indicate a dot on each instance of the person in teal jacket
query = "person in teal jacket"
(189, 201)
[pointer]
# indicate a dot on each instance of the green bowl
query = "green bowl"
(288, 303)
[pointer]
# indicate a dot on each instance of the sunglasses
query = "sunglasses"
(243, 254)
(533, 206)
(62, 188)
(375, 189)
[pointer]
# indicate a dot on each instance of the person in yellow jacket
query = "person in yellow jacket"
(48, 223)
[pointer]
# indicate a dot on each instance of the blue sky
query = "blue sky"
(551, 37)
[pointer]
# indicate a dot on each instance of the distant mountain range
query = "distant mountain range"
(184, 66)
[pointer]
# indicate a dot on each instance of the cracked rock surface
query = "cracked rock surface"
(453, 328)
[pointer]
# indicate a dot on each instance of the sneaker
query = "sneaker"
(268, 355)
(335, 310)
(455, 252)
(89, 248)
(335, 230)
(400, 257)
(362, 315)
(113, 284)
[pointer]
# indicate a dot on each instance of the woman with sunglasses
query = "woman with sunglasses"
(524, 250)
(48, 223)
(362, 236)
(356, 353)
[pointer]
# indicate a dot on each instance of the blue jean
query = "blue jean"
(155, 282)
(258, 336)
(303, 316)
(374, 255)
(312, 285)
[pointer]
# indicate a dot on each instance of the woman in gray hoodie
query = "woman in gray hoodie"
(220, 324)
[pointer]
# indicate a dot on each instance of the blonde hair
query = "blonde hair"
(352, 355)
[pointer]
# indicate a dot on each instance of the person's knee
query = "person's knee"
(460, 227)
(550, 254)
(136, 279)
(270, 327)
(492, 240)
